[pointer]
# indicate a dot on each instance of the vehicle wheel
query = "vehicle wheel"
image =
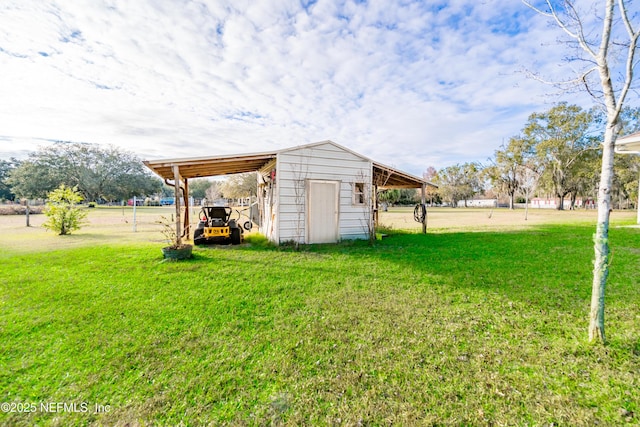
(247, 225)
(235, 236)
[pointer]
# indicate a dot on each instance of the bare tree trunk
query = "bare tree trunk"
(601, 239)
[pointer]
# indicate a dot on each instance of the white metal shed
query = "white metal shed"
(315, 193)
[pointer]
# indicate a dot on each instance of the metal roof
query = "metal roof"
(388, 177)
(195, 167)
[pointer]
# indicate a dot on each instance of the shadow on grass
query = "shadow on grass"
(548, 266)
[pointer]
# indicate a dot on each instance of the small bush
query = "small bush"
(64, 215)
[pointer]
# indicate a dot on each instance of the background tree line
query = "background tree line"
(102, 174)
(557, 153)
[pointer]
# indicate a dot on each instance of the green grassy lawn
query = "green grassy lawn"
(448, 328)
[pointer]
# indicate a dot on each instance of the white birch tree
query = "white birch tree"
(608, 49)
(529, 178)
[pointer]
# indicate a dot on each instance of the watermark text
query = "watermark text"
(54, 407)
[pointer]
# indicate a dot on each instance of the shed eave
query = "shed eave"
(196, 167)
(388, 177)
(629, 144)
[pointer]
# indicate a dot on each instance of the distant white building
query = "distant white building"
(478, 203)
(552, 203)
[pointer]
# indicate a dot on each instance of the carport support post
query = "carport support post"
(375, 206)
(187, 227)
(176, 193)
(423, 200)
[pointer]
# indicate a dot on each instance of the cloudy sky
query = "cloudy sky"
(407, 83)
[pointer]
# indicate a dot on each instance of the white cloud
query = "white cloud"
(411, 84)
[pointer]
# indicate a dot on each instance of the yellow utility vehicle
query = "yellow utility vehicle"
(217, 227)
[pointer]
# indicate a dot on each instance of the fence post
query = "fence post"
(423, 201)
(135, 203)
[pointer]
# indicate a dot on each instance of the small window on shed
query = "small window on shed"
(358, 193)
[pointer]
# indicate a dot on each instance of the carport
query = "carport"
(177, 173)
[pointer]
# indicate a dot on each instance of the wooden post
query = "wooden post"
(176, 193)
(423, 200)
(26, 211)
(376, 213)
(187, 226)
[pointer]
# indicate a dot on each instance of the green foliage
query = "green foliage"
(259, 240)
(431, 193)
(567, 148)
(440, 329)
(63, 214)
(98, 173)
(513, 168)
(33, 180)
(404, 196)
(5, 169)
(240, 185)
(459, 182)
(390, 196)
(630, 120)
(198, 187)
(627, 167)
(559, 152)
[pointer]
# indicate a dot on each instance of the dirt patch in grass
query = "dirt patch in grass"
(478, 219)
(112, 225)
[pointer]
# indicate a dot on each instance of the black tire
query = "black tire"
(236, 236)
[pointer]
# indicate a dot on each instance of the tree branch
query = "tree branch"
(579, 36)
(633, 36)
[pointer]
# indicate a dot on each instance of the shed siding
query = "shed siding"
(321, 162)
